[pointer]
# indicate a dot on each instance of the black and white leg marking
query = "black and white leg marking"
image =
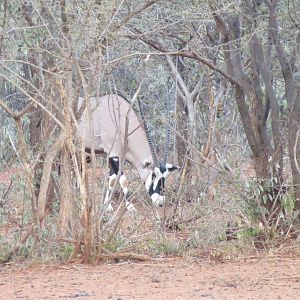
(114, 169)
(155, 183)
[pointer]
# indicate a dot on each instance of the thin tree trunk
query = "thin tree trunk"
(294, 147)
(45, 181)
(66, 194)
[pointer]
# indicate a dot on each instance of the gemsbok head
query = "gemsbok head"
(109, 116)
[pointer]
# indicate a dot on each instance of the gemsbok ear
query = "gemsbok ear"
(146, 164)
(172, 168)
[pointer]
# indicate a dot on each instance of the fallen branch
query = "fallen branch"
(125, 256)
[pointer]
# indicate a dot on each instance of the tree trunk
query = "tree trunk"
(294, 147)
(66, 193)
(46, 176)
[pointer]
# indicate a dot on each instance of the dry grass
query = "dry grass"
(199, 220)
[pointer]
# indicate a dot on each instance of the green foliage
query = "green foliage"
(248, 233)
(5, 249)
(257, 197)
(163, 246)
(288, 203)
(65, 251)
(115, 245)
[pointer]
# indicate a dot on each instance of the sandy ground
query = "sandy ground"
(268, 278)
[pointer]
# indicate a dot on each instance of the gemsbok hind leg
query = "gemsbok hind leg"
(114, 169)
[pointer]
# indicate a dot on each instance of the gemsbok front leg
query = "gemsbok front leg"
(113, 172)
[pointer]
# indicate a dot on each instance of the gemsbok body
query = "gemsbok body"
(110, 135)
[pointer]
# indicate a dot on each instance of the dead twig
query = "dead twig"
(125, 256)
(6, 193)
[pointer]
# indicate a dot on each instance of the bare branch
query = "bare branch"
(16, 115)
(35, 101)
(188, 54)
(7, 109)
(177, 75)
(3, 24)
(134, 13)
(196, 88)
(65, 27)
(221, 25)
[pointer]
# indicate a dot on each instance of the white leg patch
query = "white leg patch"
(111, 181)
(125, 191)
(106, 197)
(124, 184)
(107, 203)
(157, 199)
(130, 207)
(109, 206)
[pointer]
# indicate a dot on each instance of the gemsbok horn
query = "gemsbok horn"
(109, 114)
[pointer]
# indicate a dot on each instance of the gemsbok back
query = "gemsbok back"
(108, 116)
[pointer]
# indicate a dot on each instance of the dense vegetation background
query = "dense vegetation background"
(231, 72)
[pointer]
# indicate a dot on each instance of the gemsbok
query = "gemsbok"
(108, 116)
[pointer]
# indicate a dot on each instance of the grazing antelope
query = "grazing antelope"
(108, 116)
